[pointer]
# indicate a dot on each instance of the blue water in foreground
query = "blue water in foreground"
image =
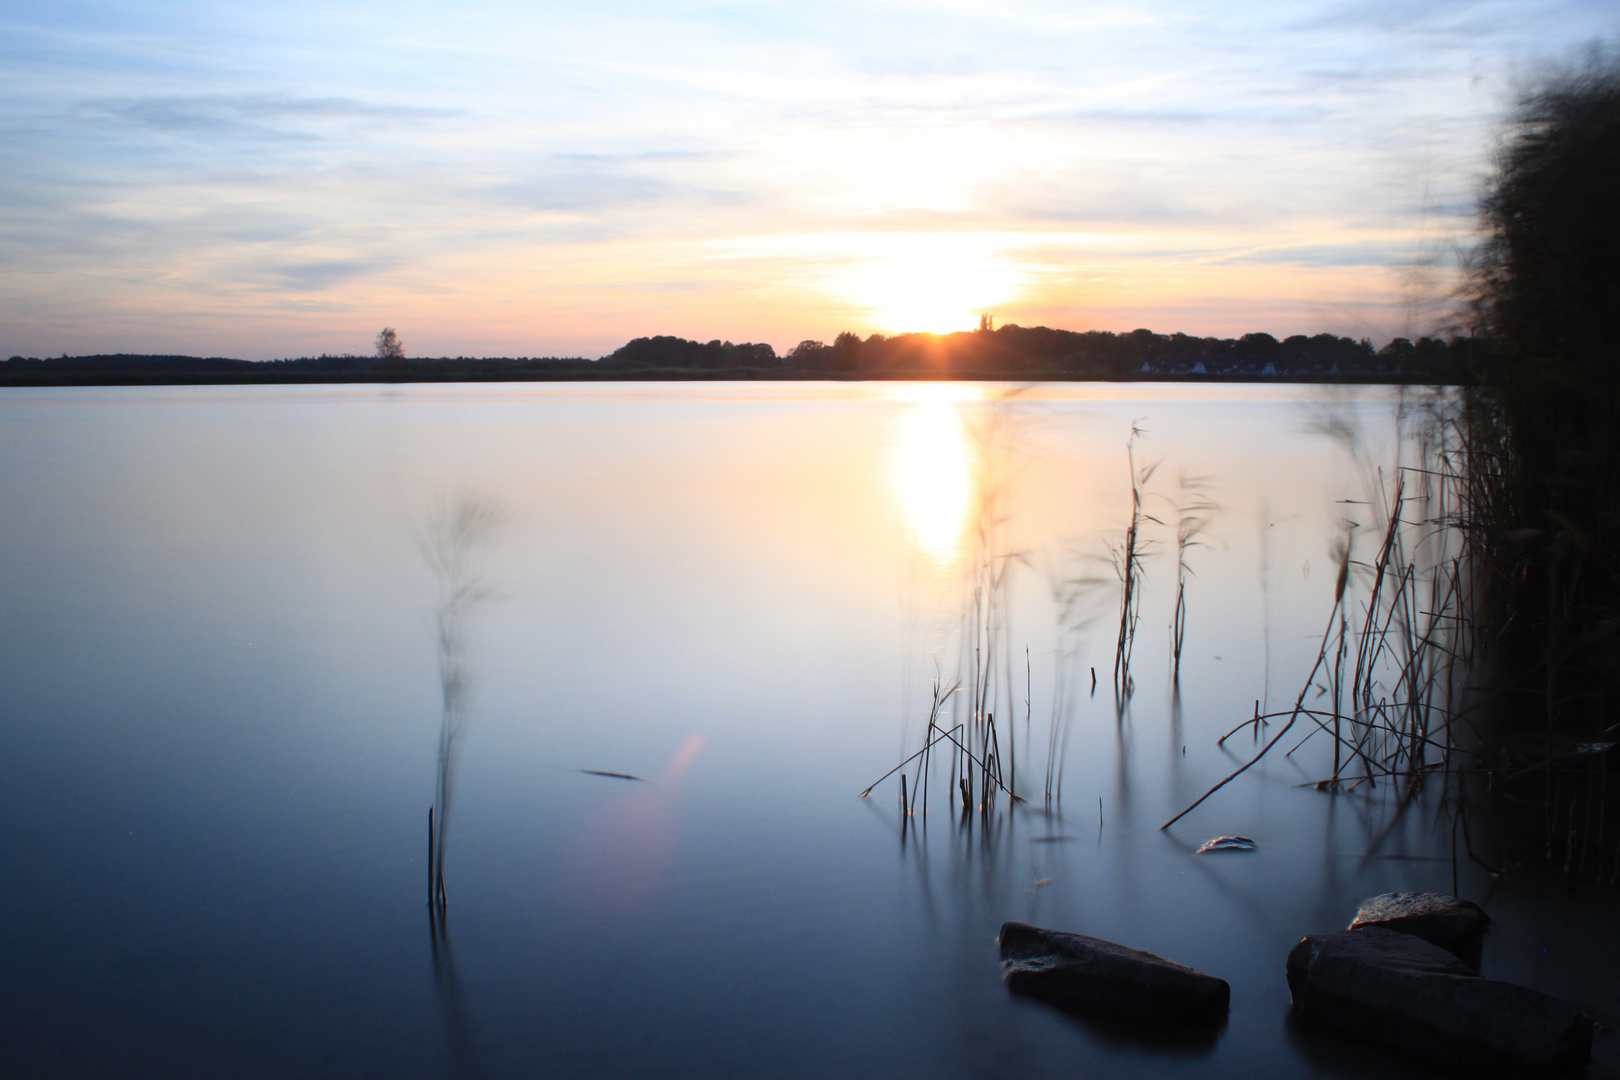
(220, 698)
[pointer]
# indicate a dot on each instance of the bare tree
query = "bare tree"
(388, 346)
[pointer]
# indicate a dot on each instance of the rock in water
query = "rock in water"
(1417, 999)
(1447, 921)
(1089, 975)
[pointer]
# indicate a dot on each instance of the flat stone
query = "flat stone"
(1091, 976)
(1422, 1002)
(1447, 921)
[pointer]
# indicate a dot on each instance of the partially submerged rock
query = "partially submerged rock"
(1089, 975)
(1450, 922)
(1418, 999)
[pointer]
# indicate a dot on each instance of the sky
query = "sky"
(536, 179)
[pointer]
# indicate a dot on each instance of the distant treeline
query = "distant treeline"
(1040, 352)
(1008, 352)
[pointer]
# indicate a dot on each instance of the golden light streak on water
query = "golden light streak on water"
(935, 466)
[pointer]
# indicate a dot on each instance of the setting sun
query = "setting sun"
(936, 284)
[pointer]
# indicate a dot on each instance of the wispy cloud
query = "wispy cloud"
(252, 115)
(320, 276)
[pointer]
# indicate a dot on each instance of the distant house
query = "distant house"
(1198, 368)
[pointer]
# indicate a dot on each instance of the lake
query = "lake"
(224, 652)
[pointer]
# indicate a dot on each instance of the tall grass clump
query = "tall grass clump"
(1389, 688)
(1090, 581)
(1544, 456)
(1127, 557)
(1194, 513)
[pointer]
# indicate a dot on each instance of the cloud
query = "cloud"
(1471, 18)
(1358, 254)
(573, 171)
(258, 115)
(320, 276)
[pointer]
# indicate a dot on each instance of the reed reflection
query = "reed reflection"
(464, 1060)
(455, 541)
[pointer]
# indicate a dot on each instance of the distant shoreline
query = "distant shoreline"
(1009, 353)
(25, 379)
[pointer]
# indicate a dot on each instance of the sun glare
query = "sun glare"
(935, 284)
(934, 471)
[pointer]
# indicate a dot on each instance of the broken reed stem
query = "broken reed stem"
(1338, 681)
(992, 777)
(1028, 711)
(1178, 624)
(941, 735)
(983, 768)
(1299, 704)
(1059, 698)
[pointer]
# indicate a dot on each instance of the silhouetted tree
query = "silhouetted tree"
(388, 346)
(666, 351)
(846, 352)
(808, 355)
(1260, 345)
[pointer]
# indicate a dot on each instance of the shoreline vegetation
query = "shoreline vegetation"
(1479, 650)
(1543, 465)
(1009, 352)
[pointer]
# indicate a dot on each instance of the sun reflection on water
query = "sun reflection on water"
(934, 469)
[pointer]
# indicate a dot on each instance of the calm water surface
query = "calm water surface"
(220, 697)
